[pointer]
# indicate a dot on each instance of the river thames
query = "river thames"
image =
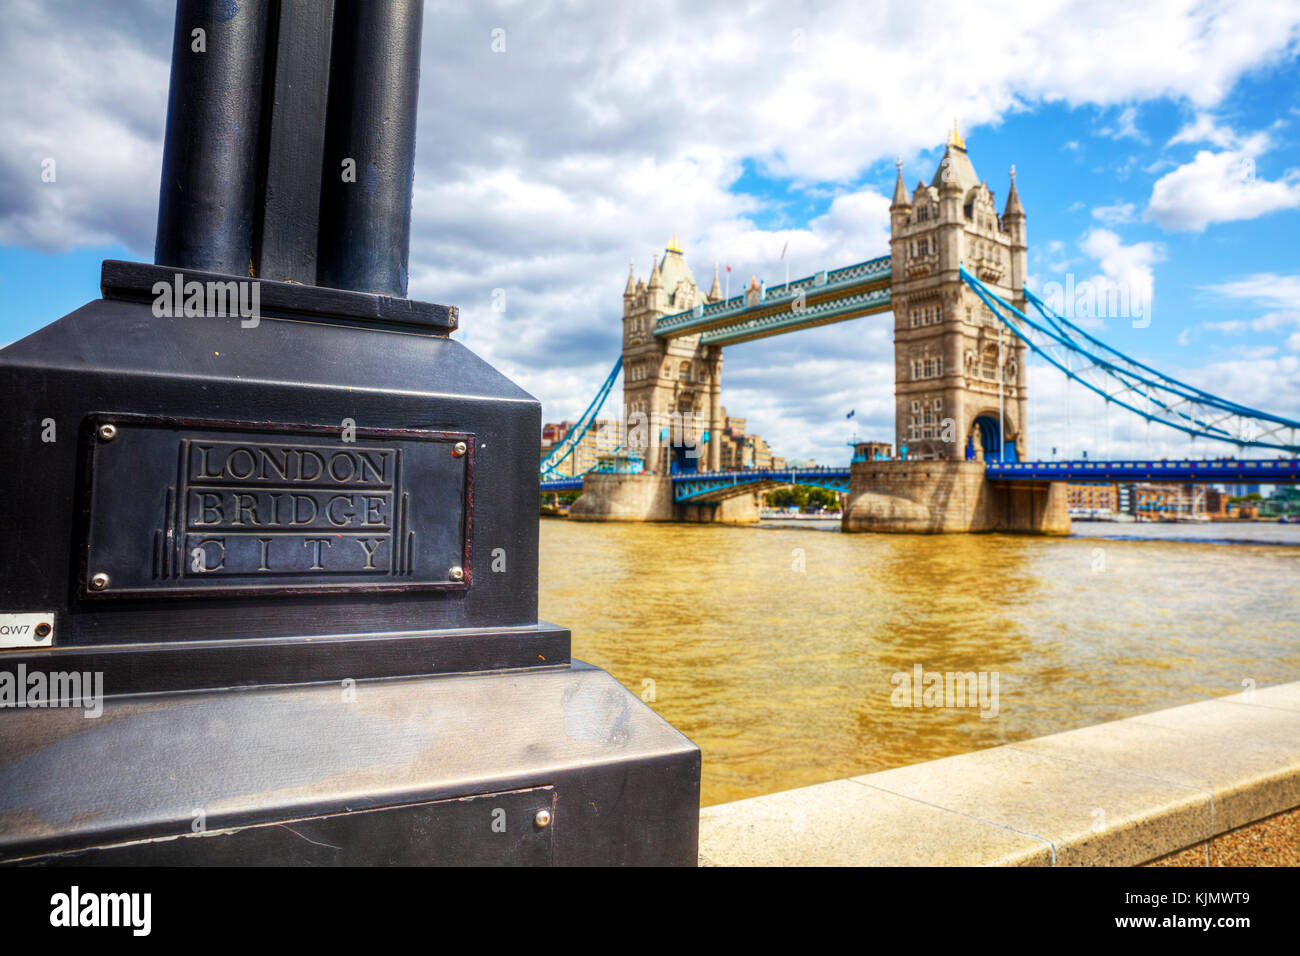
(776, 647)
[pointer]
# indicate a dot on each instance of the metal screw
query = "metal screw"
(543, 819)
(42, 630)
(99, 581)
(459, 449)
(456, 574)
(107, 432)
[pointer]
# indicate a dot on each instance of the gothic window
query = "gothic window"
(914, 321)
(916, 408)
(685, 372)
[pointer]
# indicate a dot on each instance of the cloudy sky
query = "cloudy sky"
(1155, 145)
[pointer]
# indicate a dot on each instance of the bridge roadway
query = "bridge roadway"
(717, 485)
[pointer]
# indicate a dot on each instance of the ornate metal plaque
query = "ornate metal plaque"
(185, 507)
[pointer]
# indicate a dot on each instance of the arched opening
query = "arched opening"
(990, 435)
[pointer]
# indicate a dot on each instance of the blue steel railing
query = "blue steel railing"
(1235, 470)
(688, 485)
(561, 484)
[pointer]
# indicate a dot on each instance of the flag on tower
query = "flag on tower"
(851, 413)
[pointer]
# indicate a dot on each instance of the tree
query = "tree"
(803, 497)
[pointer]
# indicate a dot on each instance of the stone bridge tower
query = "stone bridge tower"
(948, 347)
(671, 381)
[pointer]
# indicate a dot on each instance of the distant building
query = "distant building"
(1216, 503)
(742, 450)
(1093, 496)
(1167, 500)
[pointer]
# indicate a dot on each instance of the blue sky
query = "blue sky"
(1156, 151)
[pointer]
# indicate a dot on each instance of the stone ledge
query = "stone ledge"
(1121, 793)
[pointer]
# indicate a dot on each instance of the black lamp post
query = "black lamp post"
(263, 502)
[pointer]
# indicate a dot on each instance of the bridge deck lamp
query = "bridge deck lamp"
(268, 525)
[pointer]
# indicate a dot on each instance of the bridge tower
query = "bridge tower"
(671, 381)
(960, 380)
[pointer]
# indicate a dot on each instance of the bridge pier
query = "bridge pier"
(615, 497)
(947, 497)
(741, 509)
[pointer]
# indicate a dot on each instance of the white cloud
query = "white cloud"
(1125, 126)
(1231, 327)
(1219, 186)
(1205, 128)
(1263, 288)
(1117, 213)
(1128, 271)
(1280, 294)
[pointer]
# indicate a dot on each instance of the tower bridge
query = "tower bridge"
(964, 329)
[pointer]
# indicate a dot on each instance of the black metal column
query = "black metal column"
(365, 222)
(207, 203)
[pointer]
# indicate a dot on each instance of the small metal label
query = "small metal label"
(183, 507)
(35, 629)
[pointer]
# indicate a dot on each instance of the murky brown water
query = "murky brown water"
(783, 677)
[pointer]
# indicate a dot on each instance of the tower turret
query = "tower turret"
(900, 191)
